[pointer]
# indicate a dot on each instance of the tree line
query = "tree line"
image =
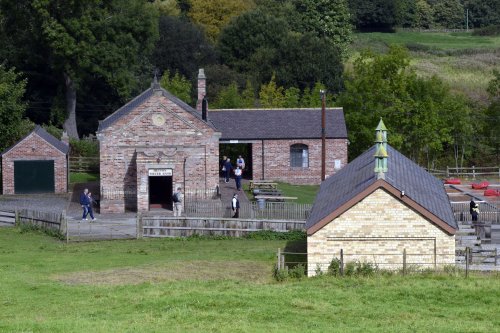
(69, 63)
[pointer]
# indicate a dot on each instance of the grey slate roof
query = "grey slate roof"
(251, 124)
(59, 145)
(144, 96)
(403, 174)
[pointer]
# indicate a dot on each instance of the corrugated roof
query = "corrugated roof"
(251, 124)
(58, 144)
(137, 101)
(403, 174)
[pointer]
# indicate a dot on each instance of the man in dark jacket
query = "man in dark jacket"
(85, 203)
(235, 206)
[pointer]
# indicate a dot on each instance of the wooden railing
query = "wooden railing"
(471, 173)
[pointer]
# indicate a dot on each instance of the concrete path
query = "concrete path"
(227, 190)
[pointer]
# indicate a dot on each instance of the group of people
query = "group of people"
(87, 201)
(227, 168)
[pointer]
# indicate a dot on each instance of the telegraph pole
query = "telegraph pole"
(323, 136)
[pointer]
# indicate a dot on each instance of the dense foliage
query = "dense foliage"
(84, 59)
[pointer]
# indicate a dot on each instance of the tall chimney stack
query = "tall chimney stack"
(202, 89)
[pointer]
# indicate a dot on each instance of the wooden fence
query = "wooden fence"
(44, 220)
(471, 173)
(253, 210)
(7, 218)
(163, 226)
(84, 164)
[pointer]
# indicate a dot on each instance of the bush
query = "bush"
(280, 275)
(86, 147)
(297, 272)
(492, 30)
(30, 227)
(334, 267)
(274, 235)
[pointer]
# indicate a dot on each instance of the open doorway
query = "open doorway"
(160, 192)
(233, 150)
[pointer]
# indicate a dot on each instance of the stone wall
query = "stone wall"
(33, 147)
(156, 134)
(378, 229)
(277, 160)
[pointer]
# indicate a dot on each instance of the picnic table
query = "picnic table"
(263, 184)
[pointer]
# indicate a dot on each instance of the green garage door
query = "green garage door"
(33, 177)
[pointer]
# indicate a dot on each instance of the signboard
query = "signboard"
(233, 141)
(159, 172)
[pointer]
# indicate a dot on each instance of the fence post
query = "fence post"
(16, 222)
(341, 262)
(404, 262)
(67, 231)
(279, 258)
(496, 255)
(473, 172)
(467, 262)
(447, 172)
(139, 225)
(283, 261)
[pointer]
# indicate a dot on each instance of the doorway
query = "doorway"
(233, 150)
(160, 192)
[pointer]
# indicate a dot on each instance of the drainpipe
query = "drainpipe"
(263, 175)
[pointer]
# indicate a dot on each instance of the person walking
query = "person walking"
(235, 206)
(227, 170)
(84, 202)
(178, 199)
(90, 208)
(237, 177)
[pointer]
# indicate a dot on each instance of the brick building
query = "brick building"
(38, 163)
(376, 215)
(152, 145)
(285, 144)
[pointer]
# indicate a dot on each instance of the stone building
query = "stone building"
(377, 215)
(285, 144)
(152, 145)
(38, 163)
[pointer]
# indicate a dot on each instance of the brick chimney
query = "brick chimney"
(202, 89)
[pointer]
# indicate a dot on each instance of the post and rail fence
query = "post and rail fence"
(468, 173)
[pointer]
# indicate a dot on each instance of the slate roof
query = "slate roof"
(403, 174)
(252, 124)
(58, 144)
(144, 96)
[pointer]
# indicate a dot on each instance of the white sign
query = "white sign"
(338, 164)
(159, 172)
(233, 141)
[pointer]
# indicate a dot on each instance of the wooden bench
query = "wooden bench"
(274, 197)
(262, 183)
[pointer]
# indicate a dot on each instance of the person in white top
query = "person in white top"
(237, 177)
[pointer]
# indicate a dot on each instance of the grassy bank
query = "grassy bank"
(462, 60)
(217, 286)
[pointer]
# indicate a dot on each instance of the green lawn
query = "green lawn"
(305, 193)
(433, 40)
(218, 286)
(83, 177)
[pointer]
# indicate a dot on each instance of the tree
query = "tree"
(448, 14)
(326, 18)
(271, 95)
(483, 13)
(167, 7)
(12, 106)
(421, 113)
(492, 115)
(423, 15)
(182, 47)
(214, 15)
(82, 41)
(373, 15)
(178, 85)
(405, 13)
(228, 98)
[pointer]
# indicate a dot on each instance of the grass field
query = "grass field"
(83, 177)
(218, 286)
(462, 60)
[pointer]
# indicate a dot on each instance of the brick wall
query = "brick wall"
(377, 230)
(33, 147)
(140, 141)
(277, 160)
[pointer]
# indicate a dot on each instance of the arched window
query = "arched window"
(299, 156)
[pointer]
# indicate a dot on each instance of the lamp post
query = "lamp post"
(323, 135)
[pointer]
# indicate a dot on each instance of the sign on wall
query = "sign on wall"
(160, 172)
